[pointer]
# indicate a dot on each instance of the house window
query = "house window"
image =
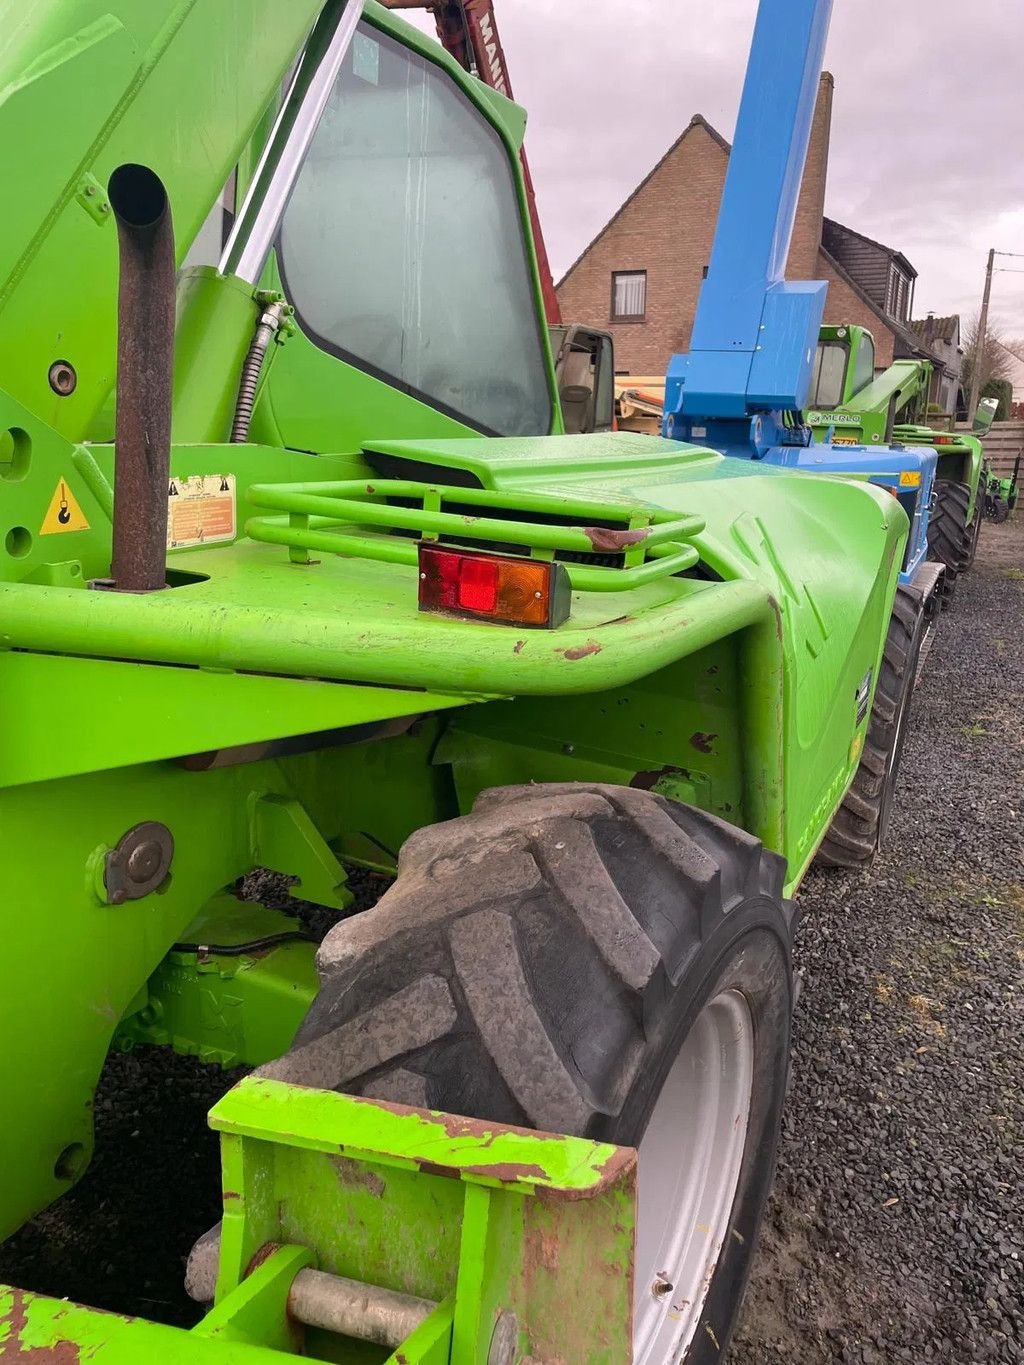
(897, 295)
(629, 295)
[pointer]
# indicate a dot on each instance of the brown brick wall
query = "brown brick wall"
(667, 229)
(806, 239)
(844, 304)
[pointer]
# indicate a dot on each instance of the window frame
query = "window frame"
(468, 93)
(865, 339)
(842, 345)
(898, 293)
(627, 317)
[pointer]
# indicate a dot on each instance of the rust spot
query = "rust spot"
(230, 1194)
(713, 669)
(622, 1160)
(609, 541)
(648, 780)
(356, 1176)
(263, 1254)
(56, 1353)
(544, 1248)
(370, 488)
(517, 648)
(581, 651)
(434, 1168)
(508, 1172)
(702, 741)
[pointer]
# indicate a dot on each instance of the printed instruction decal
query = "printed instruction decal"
(63, 513)
(200, 510)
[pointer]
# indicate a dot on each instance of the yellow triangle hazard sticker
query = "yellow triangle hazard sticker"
(63, 513)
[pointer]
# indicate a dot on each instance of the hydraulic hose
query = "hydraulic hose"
(267, 327)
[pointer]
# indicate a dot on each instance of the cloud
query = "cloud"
(927, 134)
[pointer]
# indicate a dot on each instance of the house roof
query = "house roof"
(891, 252)
(698, 121)
(932, 328)
(901, 330)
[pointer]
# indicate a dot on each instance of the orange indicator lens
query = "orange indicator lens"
(513, 591)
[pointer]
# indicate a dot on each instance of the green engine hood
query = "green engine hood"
(86, 85)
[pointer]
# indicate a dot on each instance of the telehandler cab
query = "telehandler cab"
(340, 593)
(851, 404)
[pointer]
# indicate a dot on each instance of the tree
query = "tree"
(996, 361)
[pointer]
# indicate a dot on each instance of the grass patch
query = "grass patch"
(923, 1008)
(1016, 575)
(975, 730)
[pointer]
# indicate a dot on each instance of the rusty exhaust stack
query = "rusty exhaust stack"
(145, 359)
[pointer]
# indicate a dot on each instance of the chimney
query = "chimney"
(810, 209)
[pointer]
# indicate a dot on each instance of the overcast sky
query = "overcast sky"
(927, 132)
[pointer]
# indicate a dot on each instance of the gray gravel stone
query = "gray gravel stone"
(908, 1073)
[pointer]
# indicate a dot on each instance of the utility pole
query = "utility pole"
(980, 339)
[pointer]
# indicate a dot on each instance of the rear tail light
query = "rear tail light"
(506, 590)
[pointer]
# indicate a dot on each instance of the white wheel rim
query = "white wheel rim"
(690, 1161)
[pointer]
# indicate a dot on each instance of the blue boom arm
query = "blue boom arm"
(755, 333)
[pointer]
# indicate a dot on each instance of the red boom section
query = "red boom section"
(467, 29)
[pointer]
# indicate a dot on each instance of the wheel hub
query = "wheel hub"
(691, 1157)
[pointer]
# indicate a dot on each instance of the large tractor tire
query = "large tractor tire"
(862, 821)
(949, 535)
(597, 961)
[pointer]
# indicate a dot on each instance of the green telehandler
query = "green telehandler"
(850, 403)
(341, 594)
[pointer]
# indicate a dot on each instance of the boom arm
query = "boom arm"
(468, 30)
(754, 335)
(894, 387)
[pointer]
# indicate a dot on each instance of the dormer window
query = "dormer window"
(897, 294)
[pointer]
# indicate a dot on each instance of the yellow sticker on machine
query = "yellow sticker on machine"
(200, 510)
(910, 478)
(63, 513)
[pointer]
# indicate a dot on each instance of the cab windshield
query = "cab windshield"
(829, 373)
(402, 247)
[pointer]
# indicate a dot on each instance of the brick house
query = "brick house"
(941, 339)
(640, 277)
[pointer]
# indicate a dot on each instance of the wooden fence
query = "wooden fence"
(1002, 445)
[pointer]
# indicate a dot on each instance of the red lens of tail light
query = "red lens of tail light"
(510, 591)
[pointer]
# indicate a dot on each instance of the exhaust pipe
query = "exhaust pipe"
(145, 361)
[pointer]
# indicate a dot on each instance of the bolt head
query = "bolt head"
(144, 861)
(62, 378)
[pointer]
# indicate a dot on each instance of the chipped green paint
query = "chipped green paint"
(394, 1135)
(485, 1218)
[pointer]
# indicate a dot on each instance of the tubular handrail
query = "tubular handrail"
(319, 516)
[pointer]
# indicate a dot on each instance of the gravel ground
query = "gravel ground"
(896, 1229)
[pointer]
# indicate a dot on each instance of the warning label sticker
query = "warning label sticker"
(200, 510)
(63, 513)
